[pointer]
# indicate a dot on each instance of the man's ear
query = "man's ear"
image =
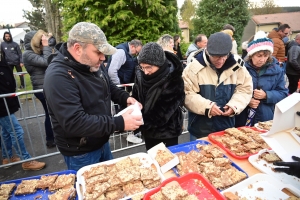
(77, 49)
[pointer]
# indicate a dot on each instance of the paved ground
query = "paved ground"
(34, 137)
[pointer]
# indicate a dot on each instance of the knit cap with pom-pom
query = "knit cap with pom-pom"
(259, 43)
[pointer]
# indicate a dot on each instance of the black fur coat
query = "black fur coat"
(164, 120)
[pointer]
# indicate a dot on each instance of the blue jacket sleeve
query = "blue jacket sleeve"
(280, 91)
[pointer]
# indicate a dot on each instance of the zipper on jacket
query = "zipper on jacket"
(182, 109)
(105, 83)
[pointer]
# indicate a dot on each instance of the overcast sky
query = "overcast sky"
(11, 10)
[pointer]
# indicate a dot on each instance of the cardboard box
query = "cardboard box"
(153, 151)
(281, 138)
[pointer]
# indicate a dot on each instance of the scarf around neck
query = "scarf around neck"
(150, 80)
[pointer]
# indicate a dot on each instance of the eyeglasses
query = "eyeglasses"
(147, 68)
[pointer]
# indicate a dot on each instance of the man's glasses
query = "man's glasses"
(147, 68)
(219, 57)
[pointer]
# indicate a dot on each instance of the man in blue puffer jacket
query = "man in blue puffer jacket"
(268, 80)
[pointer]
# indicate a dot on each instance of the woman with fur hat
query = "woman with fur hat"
(268, 80)
(35, 56)
(160, 89)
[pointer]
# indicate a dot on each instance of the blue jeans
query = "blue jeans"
(12, 138)
(193, 138)
(48, 127)
(100, 155)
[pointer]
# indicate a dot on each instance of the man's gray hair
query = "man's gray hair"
(136, 43)
(71, 42)
(165, 40)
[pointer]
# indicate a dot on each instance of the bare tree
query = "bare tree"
(45, 16)
(53, 19)
(265, 7)
(187, 12)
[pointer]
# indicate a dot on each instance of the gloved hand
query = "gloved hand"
(52, 41)
(291, 168)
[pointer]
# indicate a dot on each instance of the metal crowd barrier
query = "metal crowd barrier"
(31, 118)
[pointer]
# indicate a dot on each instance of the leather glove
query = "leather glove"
(291, 168)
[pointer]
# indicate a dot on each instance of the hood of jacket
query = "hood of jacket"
(292, 43)
(7, 32)
(175, 64)
(274, 34)
(27, 40)
(32, 41)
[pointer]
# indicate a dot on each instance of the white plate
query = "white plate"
(271, 188)
(266, 167)
(144, 158)
(256, 126)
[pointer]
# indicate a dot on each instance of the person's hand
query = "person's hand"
(215, 111)
(291, 168)
(254, 103)
(131, 122)
(228, 111)
(45, 40)
(259, 94)
(21, 64)
(131, 101)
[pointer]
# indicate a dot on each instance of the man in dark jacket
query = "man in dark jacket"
(293, 64)
(122, 64)
(79, 92)
(13, 55)
(159, 87)
(12, 132)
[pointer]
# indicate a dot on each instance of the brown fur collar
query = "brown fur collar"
(36, 42)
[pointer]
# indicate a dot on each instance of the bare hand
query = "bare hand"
(131, 101)
(131, 122)
(45, 40)
(259, 94)
(228, 111)
(215, 111)
(254, 103)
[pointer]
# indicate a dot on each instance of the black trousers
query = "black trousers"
(150, 142)
(19, 69)
(293, 83)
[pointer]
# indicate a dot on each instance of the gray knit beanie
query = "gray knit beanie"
(152, 54)
(219, 44)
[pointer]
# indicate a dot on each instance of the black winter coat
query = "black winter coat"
(79, 104)
(35, 62)
(164, 120)
(7, 85)
(293, 62)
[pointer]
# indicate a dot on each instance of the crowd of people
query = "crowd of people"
(216, 86)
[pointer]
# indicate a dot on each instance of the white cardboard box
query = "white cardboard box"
(279, 138)
(271, 188)
(153, 151)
